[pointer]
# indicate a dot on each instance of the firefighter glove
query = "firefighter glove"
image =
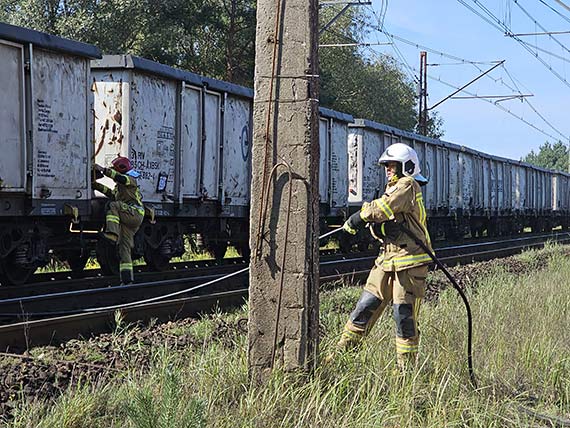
(98, 171)
(353, 223)
(389, 229)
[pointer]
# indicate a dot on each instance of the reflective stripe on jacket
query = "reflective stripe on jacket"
(126, 190)
(402, 201)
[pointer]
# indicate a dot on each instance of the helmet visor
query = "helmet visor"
(420, 179)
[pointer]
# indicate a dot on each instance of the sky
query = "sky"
(448, 28)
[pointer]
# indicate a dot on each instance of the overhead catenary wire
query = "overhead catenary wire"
(561, 15)
(564, 5)
(416, 45)
(499, 106)
(501, 26)
(552, 54)
(412, 70)
(541, 26)
(496, 104)
(536, 110)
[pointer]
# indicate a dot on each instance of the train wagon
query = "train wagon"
(45, 181)
(469, 192)
(190, 138)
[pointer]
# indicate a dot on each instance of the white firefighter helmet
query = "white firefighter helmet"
(407, 157)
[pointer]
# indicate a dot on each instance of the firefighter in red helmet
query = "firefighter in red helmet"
(125, 211)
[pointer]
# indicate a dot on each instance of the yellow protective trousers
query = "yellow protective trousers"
(405, 290)
(123, 221)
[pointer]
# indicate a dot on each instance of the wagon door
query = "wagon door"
(548, 200)
(324, 147)
(441, 175)
(556, 194)
(153, 109)
(468, 180)
(190, 141)
(237, 150)
(354, 160)
(372, 149)
(529, 202)
(60, 123)
(500, 182)
(211, 145)
(111, 94)
(12, 118)
(455, 180)
(507, 186)
(338, 164)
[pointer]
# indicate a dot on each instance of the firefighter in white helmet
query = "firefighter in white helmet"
(399, 273)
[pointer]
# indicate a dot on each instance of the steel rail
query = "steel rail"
(22, 335)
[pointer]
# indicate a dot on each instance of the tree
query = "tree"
(550, 156)
(210, 37)
(434, 126)
(367, 86)
(216, 38)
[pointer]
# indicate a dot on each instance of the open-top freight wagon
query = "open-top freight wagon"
(66, 107)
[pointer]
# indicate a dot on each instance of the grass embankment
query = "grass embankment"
(521, 355)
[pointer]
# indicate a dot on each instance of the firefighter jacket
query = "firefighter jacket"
(126, 189)
(402, 201)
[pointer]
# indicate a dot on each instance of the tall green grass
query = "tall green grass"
(521, 356)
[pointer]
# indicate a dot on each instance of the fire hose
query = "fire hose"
(453, 282)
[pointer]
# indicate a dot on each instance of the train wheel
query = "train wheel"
(344, 242)
(156, 261)
(244, 250)
(12, 270)
(77, 263)
(107, 257)
(218, 250)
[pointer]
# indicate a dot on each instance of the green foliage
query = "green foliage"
(82, 406)
(216, 38)
(520, 351)
(551, 156)
(210, 37)
(162, 403)
(434, 125)
(375, 89)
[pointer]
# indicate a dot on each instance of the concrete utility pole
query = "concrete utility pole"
(284, 267)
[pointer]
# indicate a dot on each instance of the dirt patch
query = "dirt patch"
(46, 372)
(467, 276)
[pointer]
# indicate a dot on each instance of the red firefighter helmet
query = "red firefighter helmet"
(122, 164)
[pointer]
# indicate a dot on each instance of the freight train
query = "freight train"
(64, 107)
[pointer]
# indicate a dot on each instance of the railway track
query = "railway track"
(33, 320)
